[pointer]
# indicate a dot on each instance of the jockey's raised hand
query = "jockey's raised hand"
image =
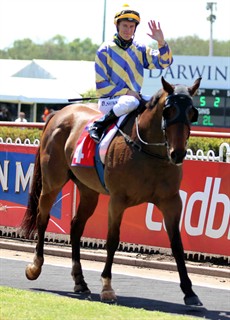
(156, 32)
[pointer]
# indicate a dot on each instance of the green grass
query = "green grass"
(27, 305)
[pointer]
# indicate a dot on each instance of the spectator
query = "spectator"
(46, 112)
(5, 114)
(21, 117)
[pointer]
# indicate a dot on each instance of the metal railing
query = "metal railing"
(210, 156)
(193, 133)
(224, 149)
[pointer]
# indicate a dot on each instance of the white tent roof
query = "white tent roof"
(27, 90)
(10, 66)
(33, 70)
(45, 81)
(77, 74)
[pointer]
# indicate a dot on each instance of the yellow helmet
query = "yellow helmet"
(127, 14)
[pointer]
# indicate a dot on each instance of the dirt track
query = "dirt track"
(157, 264)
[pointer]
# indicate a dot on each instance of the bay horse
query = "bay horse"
(145, 156)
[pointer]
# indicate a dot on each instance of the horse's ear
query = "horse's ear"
(167, 86)
(192, 90)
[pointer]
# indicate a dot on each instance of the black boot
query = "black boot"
(99, 126)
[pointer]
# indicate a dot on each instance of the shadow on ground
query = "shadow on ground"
(148, 304)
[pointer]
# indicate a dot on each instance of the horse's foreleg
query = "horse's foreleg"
(172, 220)
(33, 270)
(185, 282)
(113, 238)
(87, 205)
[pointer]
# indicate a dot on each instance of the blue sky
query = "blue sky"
(40, 20)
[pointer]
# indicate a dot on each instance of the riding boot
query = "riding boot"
(98, 127)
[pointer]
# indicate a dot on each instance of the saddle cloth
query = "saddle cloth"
(86, 149)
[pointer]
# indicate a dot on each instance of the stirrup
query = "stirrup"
(94, 134)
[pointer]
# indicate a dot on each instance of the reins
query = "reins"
(145, 142)
(182, 103)
(138, 147)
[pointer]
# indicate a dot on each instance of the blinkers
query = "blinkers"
(176, 109)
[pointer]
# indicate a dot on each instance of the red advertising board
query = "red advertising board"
(205, 193)
(205, 221)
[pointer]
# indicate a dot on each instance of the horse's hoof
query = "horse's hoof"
(108, 296)
(32, 272)
(81, 289)
(193, 301)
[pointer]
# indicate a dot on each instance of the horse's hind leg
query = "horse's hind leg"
(44, 206)
(87, 205)
(172, 212)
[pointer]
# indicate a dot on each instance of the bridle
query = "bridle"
(182, 103)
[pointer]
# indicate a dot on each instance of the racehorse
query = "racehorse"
(145, 157)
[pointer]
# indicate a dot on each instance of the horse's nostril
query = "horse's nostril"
(178, 156)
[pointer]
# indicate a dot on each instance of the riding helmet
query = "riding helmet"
(127, 13)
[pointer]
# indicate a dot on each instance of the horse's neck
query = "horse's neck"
(150, 125)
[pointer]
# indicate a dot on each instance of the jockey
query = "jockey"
(119, 67)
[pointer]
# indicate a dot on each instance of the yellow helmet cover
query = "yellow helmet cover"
(127, 14)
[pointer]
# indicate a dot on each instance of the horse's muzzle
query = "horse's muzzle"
(177, 156)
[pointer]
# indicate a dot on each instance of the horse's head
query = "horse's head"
(178, 114)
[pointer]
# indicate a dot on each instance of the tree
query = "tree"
(21, 49)
(194, 46)
(57, 48)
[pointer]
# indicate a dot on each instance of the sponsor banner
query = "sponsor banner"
(205, 193)
(205, 220)
(214, 72)
(16, 170)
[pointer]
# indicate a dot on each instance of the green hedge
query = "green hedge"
(22, 133)
(194, 143)
(206, 144)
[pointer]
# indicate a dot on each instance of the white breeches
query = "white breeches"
(120, 105)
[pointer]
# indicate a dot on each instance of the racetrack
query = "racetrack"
(148, 288)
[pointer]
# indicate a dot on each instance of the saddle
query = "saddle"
(90, 154)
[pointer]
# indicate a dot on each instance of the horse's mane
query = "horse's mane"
(154, 100)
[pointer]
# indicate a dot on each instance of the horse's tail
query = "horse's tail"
(28, 225)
